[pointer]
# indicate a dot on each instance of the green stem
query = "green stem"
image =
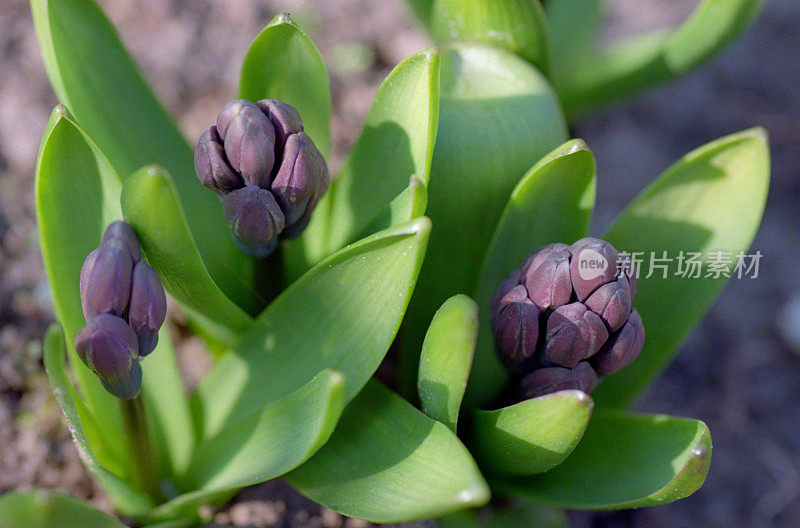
(144, 468)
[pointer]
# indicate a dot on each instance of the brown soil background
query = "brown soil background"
(735, 372)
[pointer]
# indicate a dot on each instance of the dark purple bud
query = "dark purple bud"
(548, 278)
(148, 307)
(593, 263)
(511, 282)
(121, 231)
(574, 333)
(86, 271)
(548, 380)
(629, 269)
(255, 218)
(586, 376)
(622, 348)
(108, 288)
(249, 140)
(284, 118)
(108, 346)
(516, 330)
(212, 166)
(612, 302)
(302, 172)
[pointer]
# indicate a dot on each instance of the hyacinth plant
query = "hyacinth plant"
(462, 172)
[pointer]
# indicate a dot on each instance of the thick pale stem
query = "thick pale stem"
(144, 468)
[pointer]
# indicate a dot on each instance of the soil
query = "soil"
(735, 372)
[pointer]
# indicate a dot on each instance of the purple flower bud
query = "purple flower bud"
(108, 288)
(622, 348)
(108, 346)
(148, 307)
(573, 334)
(249, 140)
(548, 278)
(302, 172)
(255, 218)
(612, 302)
(593, 263)
(511, 282)
(548, 380)
(516, 330)
(212, 166)
(284, 118)
(586, 376)
(86, 271)
(121, 231)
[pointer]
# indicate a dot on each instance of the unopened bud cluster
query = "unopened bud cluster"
(565, 317)
(265, 169)
(124, 305)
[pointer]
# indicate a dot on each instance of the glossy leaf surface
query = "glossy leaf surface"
(342, 315)
(447, 359)
(46, 509)
(710, 201)
(395, 143)
(388, 462)
(625, 461)
(532, 436)
(564, 180)
(282, 63)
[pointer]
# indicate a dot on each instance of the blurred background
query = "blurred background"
(739, 371)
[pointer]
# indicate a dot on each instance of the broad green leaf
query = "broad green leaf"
(708, 202)
(151, 206)
(447, 359)
(515, 25)
(625, 461)
(127, 500)
(633, 65)
(507, 514)
(95, 77)
(396, 142)
(406, 206)
(561, 182)
(282, 63)
(388, 462)
(39, 508)
(532, 436)
(262, 446)
(572, 30)
(77, 195)
(497, 117)
(273, 440)
(341, 315)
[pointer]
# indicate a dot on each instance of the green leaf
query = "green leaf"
(709, 201)
(532, 436)
(267, 444)
(572, 28)
(126, 499)
(388, 462)
(95, 77)
(151, 206)
(633, 65)
(562, 181)
(515, 25)
(498, 116)
(406, 206)
(77, 195)
(507, 514)
(46, 509)
(447, 358)
(282, 63)
(342, 315)
(396, 143)
(625, 461)
(261, 446)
